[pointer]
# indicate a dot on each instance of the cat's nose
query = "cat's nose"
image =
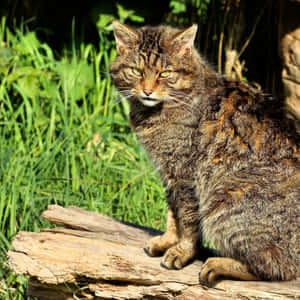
(147, 92)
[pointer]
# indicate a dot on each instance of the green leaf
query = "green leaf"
(136, 18)
(23, 72)
(177, 6)
(130, 14)
(29, 85)
(29, 43)
(6, 55)
(77, 78)
(104, 21)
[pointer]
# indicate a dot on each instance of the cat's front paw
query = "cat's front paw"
(178, 256)
(155, 247)
(158, 245)
(211, 270)
(217, 267)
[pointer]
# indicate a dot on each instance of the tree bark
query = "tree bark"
(290, 55)
(96, 257)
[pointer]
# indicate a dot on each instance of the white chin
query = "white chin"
(149, 103)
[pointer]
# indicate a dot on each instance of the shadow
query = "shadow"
(151, 231)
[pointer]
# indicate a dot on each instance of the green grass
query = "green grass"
(64, 141)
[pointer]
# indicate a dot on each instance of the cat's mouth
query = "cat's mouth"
(149, 101)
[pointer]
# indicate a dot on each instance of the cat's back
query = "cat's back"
(248, 126)
(248, 172)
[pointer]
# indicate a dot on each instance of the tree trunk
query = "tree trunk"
(290, 55)
(96, 257)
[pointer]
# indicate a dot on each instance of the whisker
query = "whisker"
(179, 104)
(182, 102)
(121, 92)
(124, 91)
(121, 98)
(105, 73)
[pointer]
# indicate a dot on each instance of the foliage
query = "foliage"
(64, 141)
(63, 138)
(222, 47)
(104, 22)
(197, 10)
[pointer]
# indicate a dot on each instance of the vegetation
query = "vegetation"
(64, 131)
(65, 141)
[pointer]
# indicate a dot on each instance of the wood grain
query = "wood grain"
(96, 257)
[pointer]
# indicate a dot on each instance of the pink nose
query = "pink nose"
(148, 92)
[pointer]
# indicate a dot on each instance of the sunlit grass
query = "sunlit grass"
(64, 141)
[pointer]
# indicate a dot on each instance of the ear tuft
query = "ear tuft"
(125, 36)
(183, 41)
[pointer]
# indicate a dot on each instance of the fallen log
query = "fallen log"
(95, 257)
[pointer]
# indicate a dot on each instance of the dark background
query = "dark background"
(52, 20)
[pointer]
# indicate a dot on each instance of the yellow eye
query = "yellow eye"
(137, 72)
(164, 74)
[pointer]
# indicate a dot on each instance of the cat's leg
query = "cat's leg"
(159, 244)
(188, 219)
(180, 240)
(217, 267)
(184, 251)
(270, 262)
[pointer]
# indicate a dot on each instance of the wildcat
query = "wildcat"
(229, 160)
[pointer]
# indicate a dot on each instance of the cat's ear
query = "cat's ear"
(183, 42)
(125, 36)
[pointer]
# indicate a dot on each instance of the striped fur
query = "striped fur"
(228, 157)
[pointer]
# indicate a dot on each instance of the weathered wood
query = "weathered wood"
(96, 257)
(290, 55)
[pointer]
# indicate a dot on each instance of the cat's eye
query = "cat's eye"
(164, 74)
(137, 72)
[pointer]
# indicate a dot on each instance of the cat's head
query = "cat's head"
(155, 64)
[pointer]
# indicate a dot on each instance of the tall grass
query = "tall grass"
(64, 141)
